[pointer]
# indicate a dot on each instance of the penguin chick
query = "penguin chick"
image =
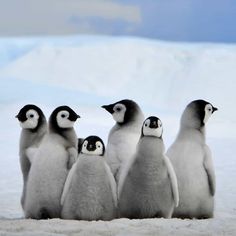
(148, 187)
(53, 159)
(124, 135)
(90, 189)
(34, 127)
(192, 161)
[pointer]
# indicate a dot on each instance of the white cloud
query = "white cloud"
(52, 16)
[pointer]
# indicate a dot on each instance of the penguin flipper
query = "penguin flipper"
(72, 157)
(112, 183)
(209, 167)
(67, 183)
(173, 180)
(80, 142)
(30, 153)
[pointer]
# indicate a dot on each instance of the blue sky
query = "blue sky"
(174, 20)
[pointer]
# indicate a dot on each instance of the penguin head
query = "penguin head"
(152, 126)
(93, 145)
(197, 113)
(30, 117)
(63, 117)
(124, 111)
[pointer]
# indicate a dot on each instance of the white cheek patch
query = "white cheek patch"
(29, 124)
(119, 113)
(63, 121)
(208, 112)
(32, 120)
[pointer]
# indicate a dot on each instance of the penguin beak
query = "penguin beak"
(214, 109)
(21, 117)
(153, 125)
(91, 147)
(73, 117)
(109, 108)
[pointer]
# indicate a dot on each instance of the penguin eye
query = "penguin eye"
(63, 115)
(118, 109)
(31, 115)
(146, 125)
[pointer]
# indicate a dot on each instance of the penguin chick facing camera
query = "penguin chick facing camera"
(90, 189)
(124, 135)
(52, 161)
(34, 127)
(148, 186)
(192, 161)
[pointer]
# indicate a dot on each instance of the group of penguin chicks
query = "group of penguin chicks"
(70, 178)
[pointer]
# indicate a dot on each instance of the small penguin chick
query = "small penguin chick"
(34, 127)
(152, 126)
(90, 189)
(125, 133)
(53, 159)
(193, 164)
(93, 145)
(148, 185)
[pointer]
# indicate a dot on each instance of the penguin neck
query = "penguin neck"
(32, 135)
(153, 144)
(67, 133)
(134, 123)
(187, 132)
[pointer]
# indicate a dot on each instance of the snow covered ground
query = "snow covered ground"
(87, 72)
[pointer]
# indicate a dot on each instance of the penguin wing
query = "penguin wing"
(72, 157)
(112, 183)
(30, 153)
(124, 172)
(209, 167)
(80, 142)
(67, 183)
(173, 180)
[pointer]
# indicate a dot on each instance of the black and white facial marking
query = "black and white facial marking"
(30, 117)
(123, 111)
(152, 126)
(203, 110)
(93, 145)
(63, 117)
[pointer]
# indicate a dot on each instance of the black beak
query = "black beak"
(21, 117)
(215, 109)
(73, 117)
(154, 125)
(91, 147)
(109, 108)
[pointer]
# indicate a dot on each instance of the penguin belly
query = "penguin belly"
(90, 195)
(46, 180)
(194, 193)
(146, 191)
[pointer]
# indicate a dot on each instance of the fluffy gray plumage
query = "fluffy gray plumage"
(90, 190)
(192, 161)
(50, 167)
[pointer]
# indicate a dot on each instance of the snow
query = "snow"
(86, 72)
